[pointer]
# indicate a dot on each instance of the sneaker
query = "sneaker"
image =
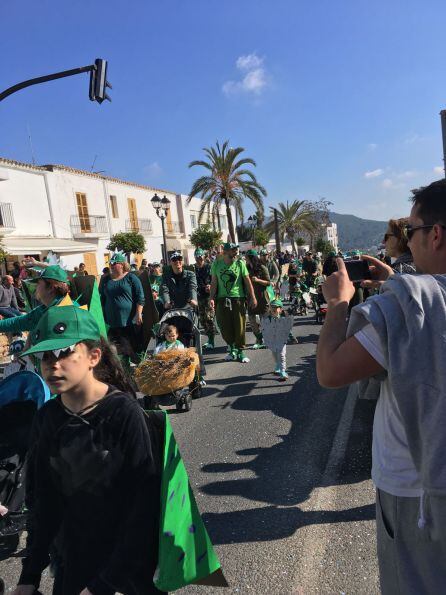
(283, 376)
(277, 371)
(202, 383)
(208, 345)
(292, 340)
(232, 354)
(241, 357)
(258, 346)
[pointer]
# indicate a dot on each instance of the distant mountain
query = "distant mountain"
(354, 232)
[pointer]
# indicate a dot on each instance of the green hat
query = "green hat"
(277, 302)
(252, 252)
(118, 257)
(263, 252)
(199, 252)
(52, 272)
(332, 253)
(63, 326)
(229, 246)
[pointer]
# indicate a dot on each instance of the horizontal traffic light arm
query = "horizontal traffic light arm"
(44, 79)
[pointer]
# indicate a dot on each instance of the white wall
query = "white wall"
(25, 190)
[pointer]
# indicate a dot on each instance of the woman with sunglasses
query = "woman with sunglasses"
(92, 482)
(395, 242)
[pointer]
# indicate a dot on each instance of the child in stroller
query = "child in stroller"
(172, 376)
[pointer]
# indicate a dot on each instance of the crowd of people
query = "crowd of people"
(387, 331)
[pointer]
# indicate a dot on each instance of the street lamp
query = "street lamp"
(252, 222)
(162, 206)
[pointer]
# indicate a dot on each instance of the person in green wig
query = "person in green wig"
(51, 286)
(93, 482)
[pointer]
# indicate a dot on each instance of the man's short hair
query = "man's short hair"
(430, 202)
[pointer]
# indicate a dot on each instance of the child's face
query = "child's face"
(276, 311)
(71, 369)
(171, 334)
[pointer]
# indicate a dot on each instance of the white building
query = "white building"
(74, 213)
(331, 235)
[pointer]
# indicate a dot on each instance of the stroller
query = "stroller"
(300, 300)
(21, 395)
(319, 304)
(186, 321)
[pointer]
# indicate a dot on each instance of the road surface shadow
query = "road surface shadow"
(285, 474)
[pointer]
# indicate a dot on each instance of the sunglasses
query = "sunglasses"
(410, 230)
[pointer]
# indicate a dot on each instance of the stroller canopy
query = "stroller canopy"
(24, 386)
(183, 318)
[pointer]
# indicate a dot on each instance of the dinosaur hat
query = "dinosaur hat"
(54, 272)
(118, 257)
(61, 327)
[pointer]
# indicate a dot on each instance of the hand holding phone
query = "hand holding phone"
(357, 269)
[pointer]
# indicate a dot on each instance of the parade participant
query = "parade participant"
(81, 271)
(309, 267)
(92, 484)
(397, 338)
(258, 273)
(171, 340)
(179, 287)
(155, 277)
(230, 287)
(276, 328)
(123, 300)
(205, 312)
(143, 266)
(51, 288)
(273, 270)
(8, 301)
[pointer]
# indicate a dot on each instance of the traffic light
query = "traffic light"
(98, 81)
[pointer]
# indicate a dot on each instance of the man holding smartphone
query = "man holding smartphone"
(399, 337)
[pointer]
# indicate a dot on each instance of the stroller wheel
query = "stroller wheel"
(188, 402)
(179, 405)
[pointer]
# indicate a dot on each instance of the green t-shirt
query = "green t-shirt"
(230, 278)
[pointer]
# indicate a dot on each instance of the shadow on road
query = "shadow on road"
(284, 474)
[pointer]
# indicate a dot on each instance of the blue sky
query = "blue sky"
(334, 99)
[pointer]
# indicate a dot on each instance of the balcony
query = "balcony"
(7, 224)
(174, 228)
(142, 226)
(91, 226)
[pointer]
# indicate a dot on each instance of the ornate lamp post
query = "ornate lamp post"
(252, 222)
(162, 206)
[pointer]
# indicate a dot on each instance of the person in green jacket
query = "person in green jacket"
(52, 287)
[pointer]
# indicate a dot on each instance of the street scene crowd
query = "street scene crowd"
(92, 474)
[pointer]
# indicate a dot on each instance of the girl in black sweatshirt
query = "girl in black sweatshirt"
(93, 478)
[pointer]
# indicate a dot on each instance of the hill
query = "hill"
(354, 232)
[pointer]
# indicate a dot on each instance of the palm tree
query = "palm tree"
(293, 218)
(228, 183)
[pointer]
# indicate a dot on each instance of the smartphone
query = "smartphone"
(357, 270)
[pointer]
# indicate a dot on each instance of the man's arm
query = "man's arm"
(339, 361)
(250, 290)
(213, 292)
(192, 299)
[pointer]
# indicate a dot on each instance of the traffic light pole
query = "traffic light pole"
(44, 79)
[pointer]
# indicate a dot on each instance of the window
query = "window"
(82, 209)
(193, 221)
(223, 223)
(114, 207)
(133, 215)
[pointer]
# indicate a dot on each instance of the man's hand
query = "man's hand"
(379, 271)
(212, 304)
(168, 305)
(193, 303)
(253, 302)
(207, 288)
(338, 287)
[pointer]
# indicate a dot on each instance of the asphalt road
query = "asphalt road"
(281, 475)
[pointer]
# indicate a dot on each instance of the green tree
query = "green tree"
(261, 237)
(3, 252)
(244, 233)
(206, 237)
(293, 218)
(300, 242)
(227, 184)
(128, 242)
(324, 246)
